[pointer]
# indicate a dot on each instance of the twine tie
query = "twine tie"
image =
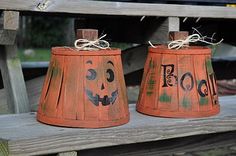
(84, 44)
(177, 44)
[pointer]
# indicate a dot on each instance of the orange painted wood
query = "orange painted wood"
(84, 89)
(178, 83)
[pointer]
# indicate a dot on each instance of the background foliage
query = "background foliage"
(43, 31)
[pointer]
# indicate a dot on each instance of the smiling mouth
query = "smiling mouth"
(104, 100)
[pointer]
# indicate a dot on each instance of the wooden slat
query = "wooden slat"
(3, 102)
(118, 8)
(204, 1)
(9, 23)
(161, 33)
(133, 59)
(187, 146)
(33, 87)
(13, 80)
(11, 20)
(68, 154)
(7, 37)
(28, 137)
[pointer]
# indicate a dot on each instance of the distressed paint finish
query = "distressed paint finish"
(84, 89)
(186, 102)
(151, 81)
(209, 66)
(185, 83)
(203, 101)
(165, 98)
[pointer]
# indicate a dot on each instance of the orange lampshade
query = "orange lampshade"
(84, 89)
(178, 83)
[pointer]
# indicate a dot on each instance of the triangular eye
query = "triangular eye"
(91, 74)
(110, 75)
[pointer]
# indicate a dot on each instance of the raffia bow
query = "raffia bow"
(177, 44)
(84, 44)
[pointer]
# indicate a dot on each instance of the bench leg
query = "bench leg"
(161, 35)
(13, 80)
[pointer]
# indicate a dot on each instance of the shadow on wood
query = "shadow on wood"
(167, 147)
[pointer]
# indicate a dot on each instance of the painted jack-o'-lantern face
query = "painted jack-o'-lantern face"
(96, 76)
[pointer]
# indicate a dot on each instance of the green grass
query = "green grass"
(39, 55)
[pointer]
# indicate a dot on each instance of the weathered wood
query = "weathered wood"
(1, 21)
(171, 147)
(205, 1)
(10, 20)
(13, 80)
(133, 59)
(7, 37)
(26, 136)
(9, 23)
(68, 154)
(3, 102)
(17, 100)
(161, 33)
(33, 88)
(118, 8)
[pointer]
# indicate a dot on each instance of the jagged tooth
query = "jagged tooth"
(96, 99)
(114, 96)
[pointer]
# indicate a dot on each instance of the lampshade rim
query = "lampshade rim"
(70, 51)
(191, 50)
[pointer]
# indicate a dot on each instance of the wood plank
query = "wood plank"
(33, 88)
(10, 20)
(68, 154)
(7, 37)
(26, 136)
(9, 23)
(119, 8)
(161, 33)
(3, 103)
(133, 59)
(1, 21)
(205, 1)
(13, 80)
(172, 147)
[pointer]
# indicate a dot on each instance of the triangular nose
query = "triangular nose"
(102, 87)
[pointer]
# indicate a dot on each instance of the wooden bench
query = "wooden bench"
(23, 135)
(10, 64)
